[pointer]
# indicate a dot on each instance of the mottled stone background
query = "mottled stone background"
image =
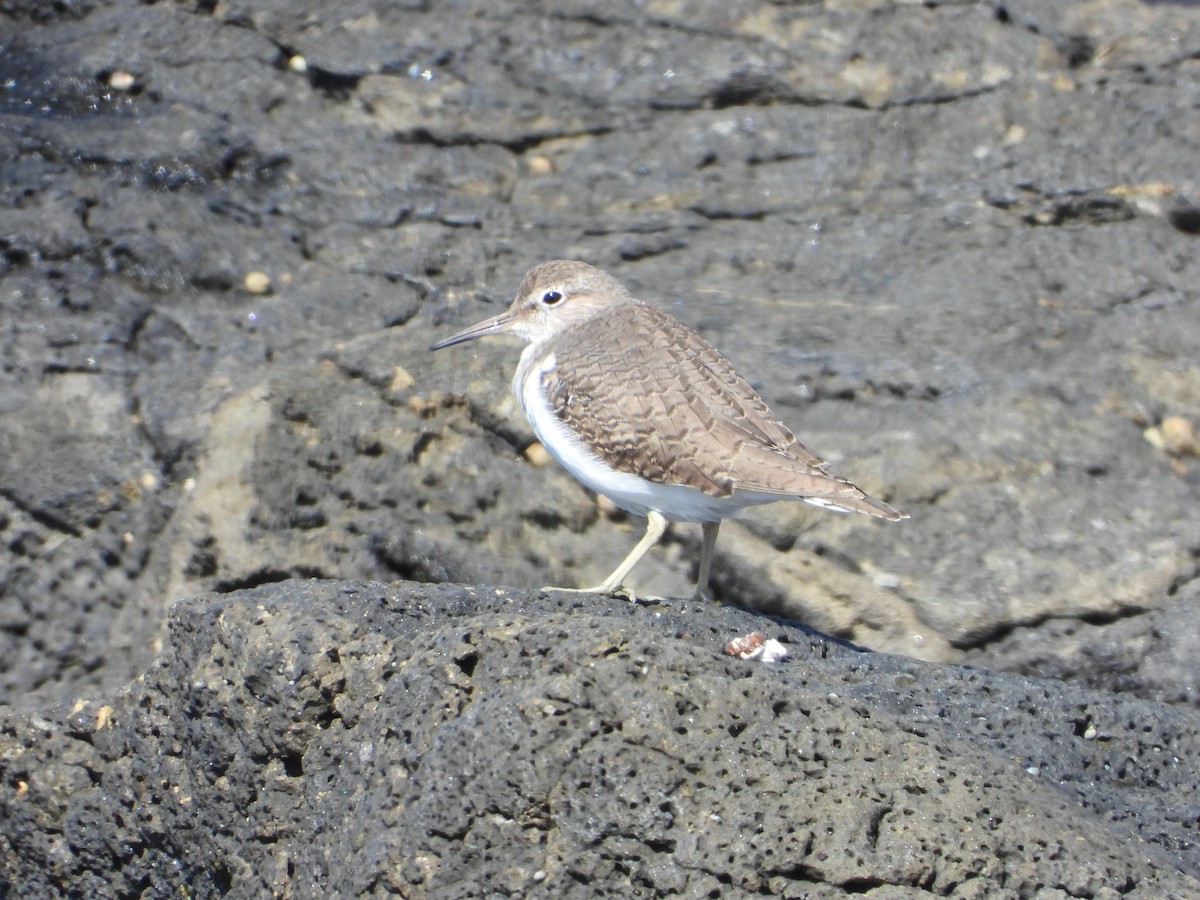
(953, 244)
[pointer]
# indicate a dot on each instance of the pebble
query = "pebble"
(121, 80)
(537, 455)
(1179, 436)
(257, 282)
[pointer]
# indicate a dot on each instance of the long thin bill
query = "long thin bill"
(495, 325)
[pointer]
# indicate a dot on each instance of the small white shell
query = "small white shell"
(756, 645)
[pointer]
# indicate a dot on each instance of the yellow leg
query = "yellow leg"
(656, 525)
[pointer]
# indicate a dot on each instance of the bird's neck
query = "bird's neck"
(529, 366)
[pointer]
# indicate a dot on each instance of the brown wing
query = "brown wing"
(721, 436)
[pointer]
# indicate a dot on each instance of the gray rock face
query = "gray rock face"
(341, 739)
(953, 245)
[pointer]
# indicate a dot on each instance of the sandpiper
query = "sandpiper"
(642, 409)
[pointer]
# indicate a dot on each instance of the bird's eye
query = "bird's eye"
(551, 297)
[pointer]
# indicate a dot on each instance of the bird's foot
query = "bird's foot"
(606, 591)
(567, 590)
(645, 599)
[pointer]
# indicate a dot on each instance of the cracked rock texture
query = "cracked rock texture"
(348, 739)
(955, 247)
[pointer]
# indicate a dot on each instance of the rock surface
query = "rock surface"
(968, 281)
(954, 245)
(348, 739)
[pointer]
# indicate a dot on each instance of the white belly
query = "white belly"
(632, 493)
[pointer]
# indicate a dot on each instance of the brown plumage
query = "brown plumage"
(722, 437)
(639, 407)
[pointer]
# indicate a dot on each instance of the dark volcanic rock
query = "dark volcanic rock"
(341, 739)
(954, 245)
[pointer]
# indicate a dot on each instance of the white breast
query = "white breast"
(632, 493)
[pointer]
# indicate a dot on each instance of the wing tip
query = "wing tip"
(881, 510)
(862, 504)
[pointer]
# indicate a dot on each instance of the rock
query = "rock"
(344, 738)
(953, 245)
(1149, 655)
(881, 229)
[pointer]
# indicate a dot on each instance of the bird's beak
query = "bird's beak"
(495, 325)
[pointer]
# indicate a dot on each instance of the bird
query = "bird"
(639, 407)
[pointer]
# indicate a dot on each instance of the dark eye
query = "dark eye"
(551, 297)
